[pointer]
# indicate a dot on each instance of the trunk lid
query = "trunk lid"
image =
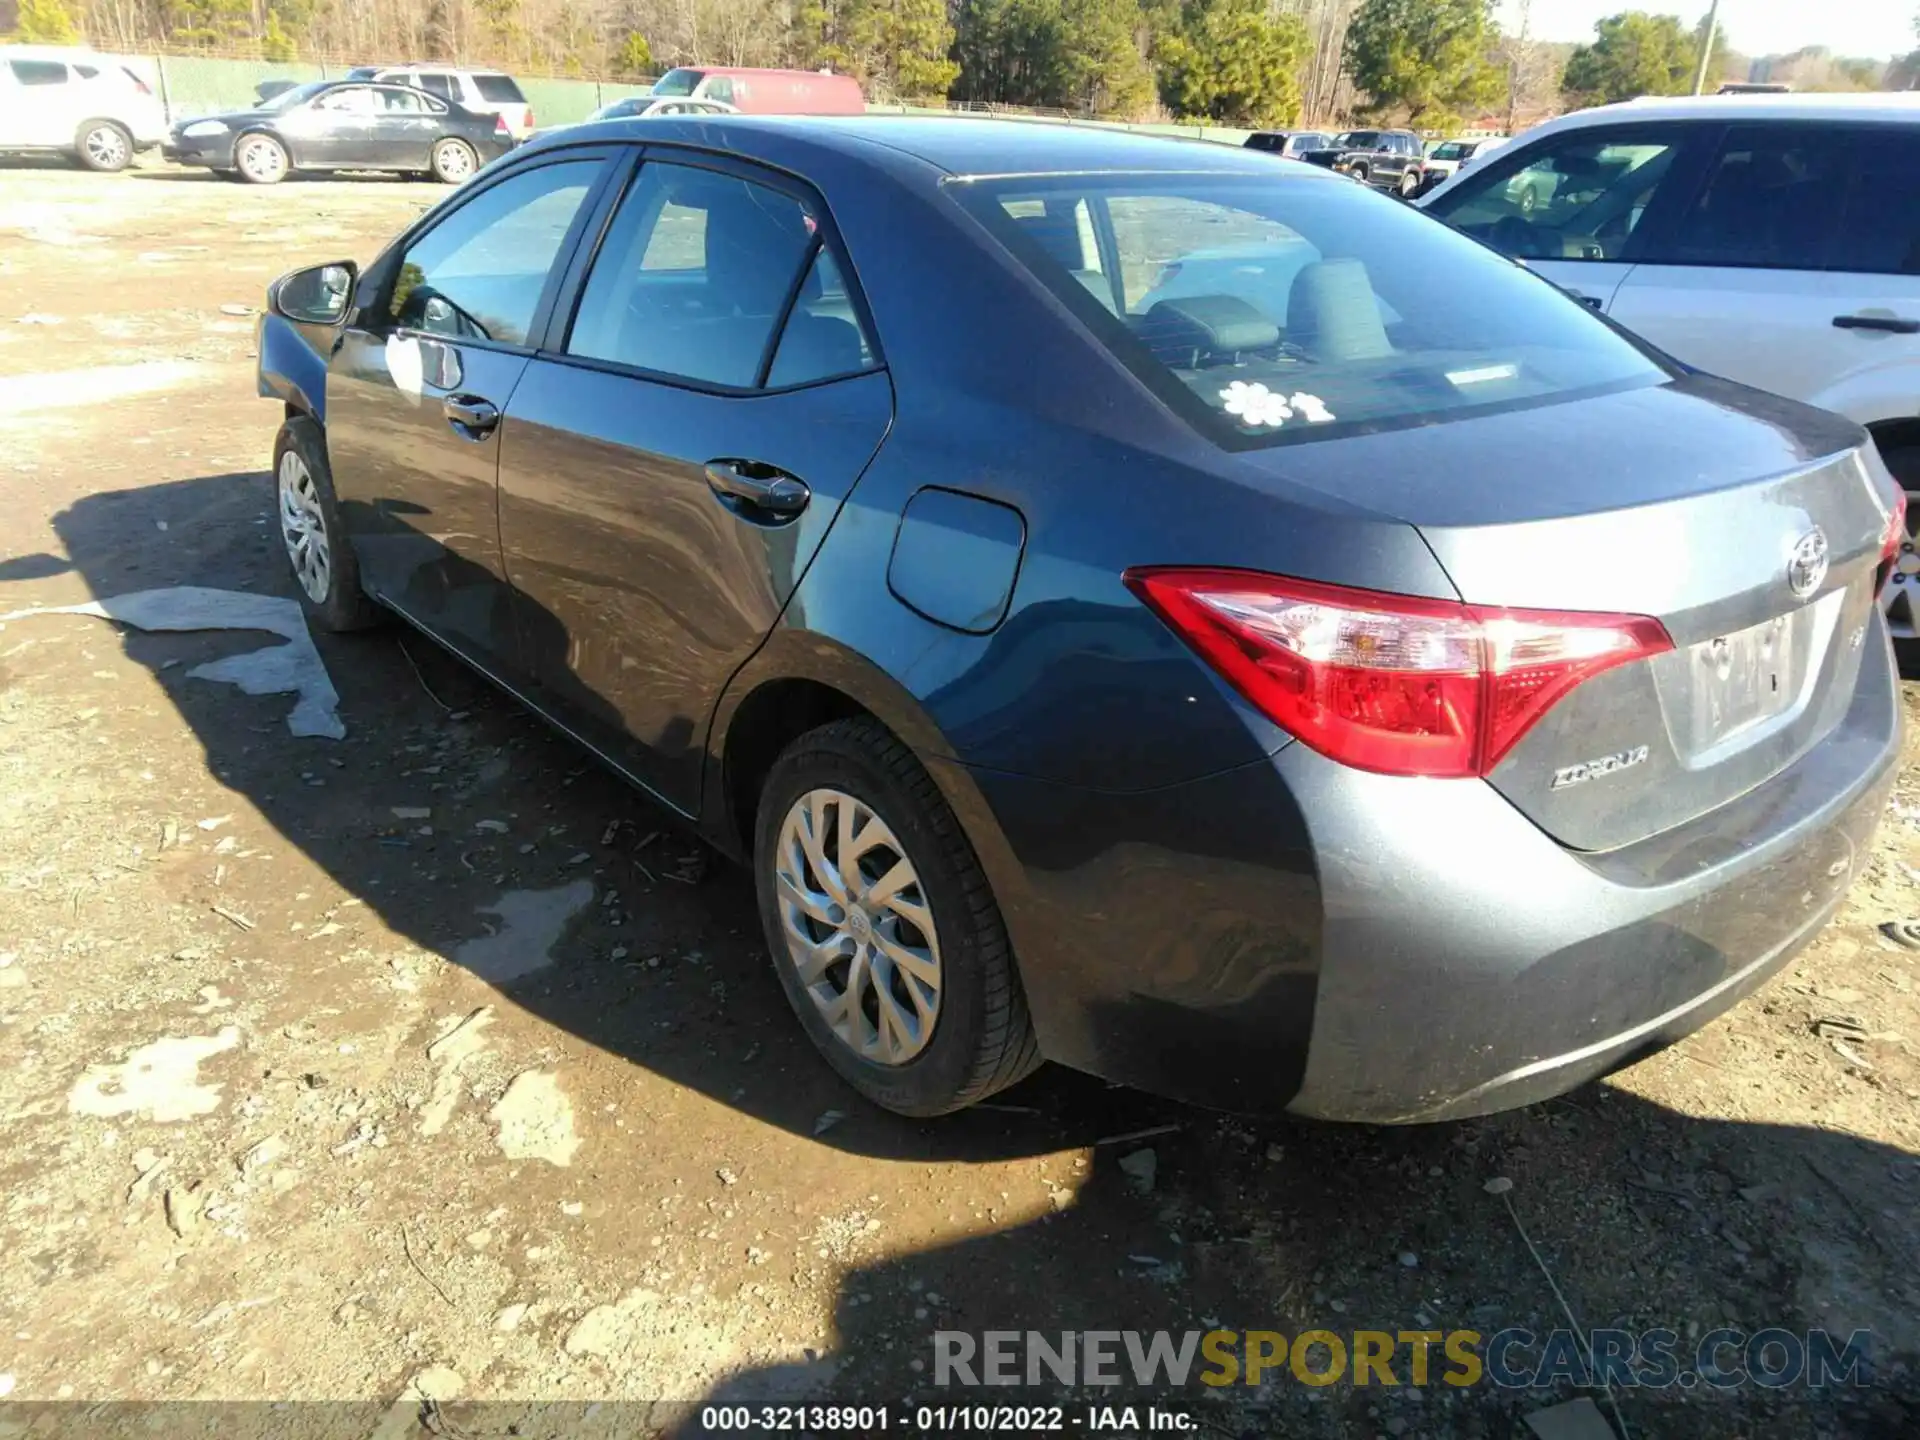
(1669, 501)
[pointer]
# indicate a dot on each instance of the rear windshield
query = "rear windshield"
(1452, 150)
(678, 82)
(498, 89)
(1271, 310)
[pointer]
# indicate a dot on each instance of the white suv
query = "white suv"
(74, 102)
(487, 92)
(1773, 239)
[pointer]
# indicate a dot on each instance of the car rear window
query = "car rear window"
(498, 90)
(1272, 310)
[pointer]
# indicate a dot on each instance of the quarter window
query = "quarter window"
(823, 337)
(694, 276)
(479, 273)
(1579, 198)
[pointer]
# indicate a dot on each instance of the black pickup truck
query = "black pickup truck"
(1385, 159)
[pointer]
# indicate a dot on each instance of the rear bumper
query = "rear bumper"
(1295, 934)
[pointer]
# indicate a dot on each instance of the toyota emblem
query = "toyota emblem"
(1807, 565)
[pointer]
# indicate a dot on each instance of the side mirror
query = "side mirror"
(315, 296)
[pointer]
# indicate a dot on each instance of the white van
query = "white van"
(1772, 239)
(70, 101)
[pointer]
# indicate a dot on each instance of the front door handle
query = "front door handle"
(471, 414)
(1893, 324)
(757, 492)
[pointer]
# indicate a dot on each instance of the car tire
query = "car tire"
(325, 571)
(1409, 183)
(1361, 173)
(261, 159)
(978, 1037)
(1529, 200)
(1901, 600)
(104, 145)
(454, 162)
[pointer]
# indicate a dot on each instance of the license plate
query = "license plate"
(1743, 679)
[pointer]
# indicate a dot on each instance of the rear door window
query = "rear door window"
(1879, 232)
(441, 85)
(479, 273)
(38, 72)
(695, 277)
(1581, 196)
(1771, 199)
(1266, 312)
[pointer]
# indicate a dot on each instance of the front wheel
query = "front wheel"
(104, 145)
(1360, 173)
(454, 161)
(322, 560)
(261, 160)
(884, 931)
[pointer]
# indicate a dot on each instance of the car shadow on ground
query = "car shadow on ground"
(1645, 1217)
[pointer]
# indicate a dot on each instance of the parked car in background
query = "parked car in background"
(267, 89)
(765, 92)
(69, 101)
(635, 107)
(1502, 700)
(1772, 239)
(1450, 156)
(1292, 144)
(484, 92)
(1385, 159)
(343, 125)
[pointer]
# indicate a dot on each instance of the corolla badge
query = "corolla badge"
(1807, 565)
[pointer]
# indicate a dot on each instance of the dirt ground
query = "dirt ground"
(428, 1065)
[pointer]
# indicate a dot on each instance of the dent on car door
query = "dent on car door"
(418, 387)
(1580, 206)
(674, 458)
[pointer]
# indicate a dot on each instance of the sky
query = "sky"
(1876, 28)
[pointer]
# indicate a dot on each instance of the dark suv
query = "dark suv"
(1386, 159)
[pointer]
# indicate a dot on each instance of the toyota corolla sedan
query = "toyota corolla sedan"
(1390, 696)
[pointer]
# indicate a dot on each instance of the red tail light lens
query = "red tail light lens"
(1389, 683)
(500, 124)
(529, 117)
(1891, 540)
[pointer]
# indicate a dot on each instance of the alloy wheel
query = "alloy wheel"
(859, 928)
(453, 162)
(262, 159)
(106, 147)
(303, 528)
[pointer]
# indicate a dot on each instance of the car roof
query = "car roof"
(1894, 105)
(975, 148)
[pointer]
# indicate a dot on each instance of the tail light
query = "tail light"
(529, 117)
(1389, 683)
(500, 124)
(1891, 539)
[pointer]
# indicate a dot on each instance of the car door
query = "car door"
(1580, 206)
(675, 454)
(441, 332)
(332, 130)
(1770, 277)
(402, 128)
(41, 109)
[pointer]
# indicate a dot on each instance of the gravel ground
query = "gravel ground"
(424, 1068)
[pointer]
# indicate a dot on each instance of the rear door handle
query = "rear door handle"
(1893, 324)
(757, 492)
(470, 414)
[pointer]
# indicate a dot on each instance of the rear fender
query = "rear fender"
(1875, 394)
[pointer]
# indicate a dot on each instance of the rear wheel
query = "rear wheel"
(884, 931)
(261, 160)
(454, 161)
(322, 560)
(1901, 599)
(1409, 182)
(104, 145)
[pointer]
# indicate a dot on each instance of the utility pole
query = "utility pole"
(1517, 60)
(1706, 47)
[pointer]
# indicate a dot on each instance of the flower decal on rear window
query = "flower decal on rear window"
(1255, 404)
